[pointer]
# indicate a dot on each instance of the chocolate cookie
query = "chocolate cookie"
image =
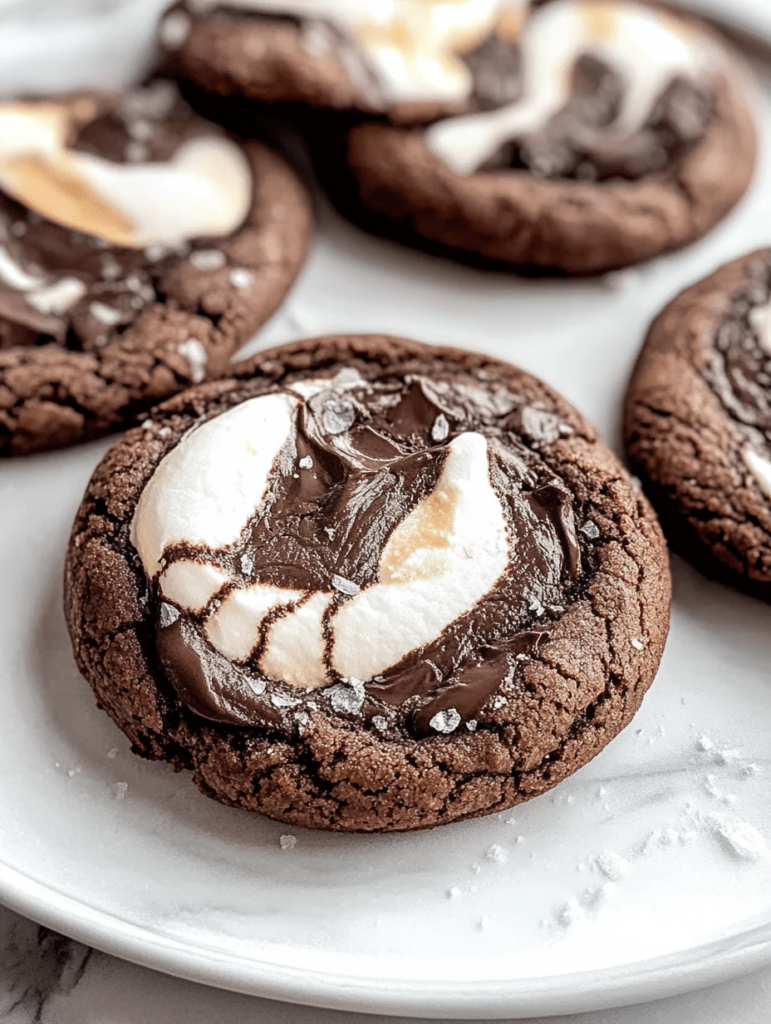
(624, 131)
(413, 60)
(139, 248)
(367, 585)
(698, 422)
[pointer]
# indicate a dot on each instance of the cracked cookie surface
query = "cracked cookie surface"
(320, 758)
(698, 422)
(94, 332)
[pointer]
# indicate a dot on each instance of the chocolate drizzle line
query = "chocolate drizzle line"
(375, 457)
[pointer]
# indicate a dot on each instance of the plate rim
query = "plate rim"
(647, 980)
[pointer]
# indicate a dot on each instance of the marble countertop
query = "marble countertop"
(48, 979)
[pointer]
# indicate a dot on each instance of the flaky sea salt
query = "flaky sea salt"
(306, 462)
(347, 696)
(197, 357)
(344, 586)
(570, 913)
(440, 429)
(590, 530)
(241, 278)
(288, 842)
(445, 721)
(301, 721)
(338, 415)
(497, 854)
(380, 723)
(741, 838)
(174, 30)
(169, 615)
(613, 865)
(119, 790)
(283, 700)
(107, 315)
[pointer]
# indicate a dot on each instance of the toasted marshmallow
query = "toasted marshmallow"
(204, 189)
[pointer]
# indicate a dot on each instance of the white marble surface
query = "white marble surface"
(47, 979)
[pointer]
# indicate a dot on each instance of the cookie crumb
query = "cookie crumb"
(119, 790)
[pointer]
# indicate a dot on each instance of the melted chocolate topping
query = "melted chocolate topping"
(363, 455)
(579, 141)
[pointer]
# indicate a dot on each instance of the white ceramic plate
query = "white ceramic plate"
(508, 916)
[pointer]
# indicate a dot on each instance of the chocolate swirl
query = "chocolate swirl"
(363, 459)
(738, 365)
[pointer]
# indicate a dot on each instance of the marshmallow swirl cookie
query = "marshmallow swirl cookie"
(698, 422)
(411, 59)
(601, 133)
(367, 586)
(139, 247)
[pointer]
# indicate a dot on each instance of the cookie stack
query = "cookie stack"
(356, 582)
